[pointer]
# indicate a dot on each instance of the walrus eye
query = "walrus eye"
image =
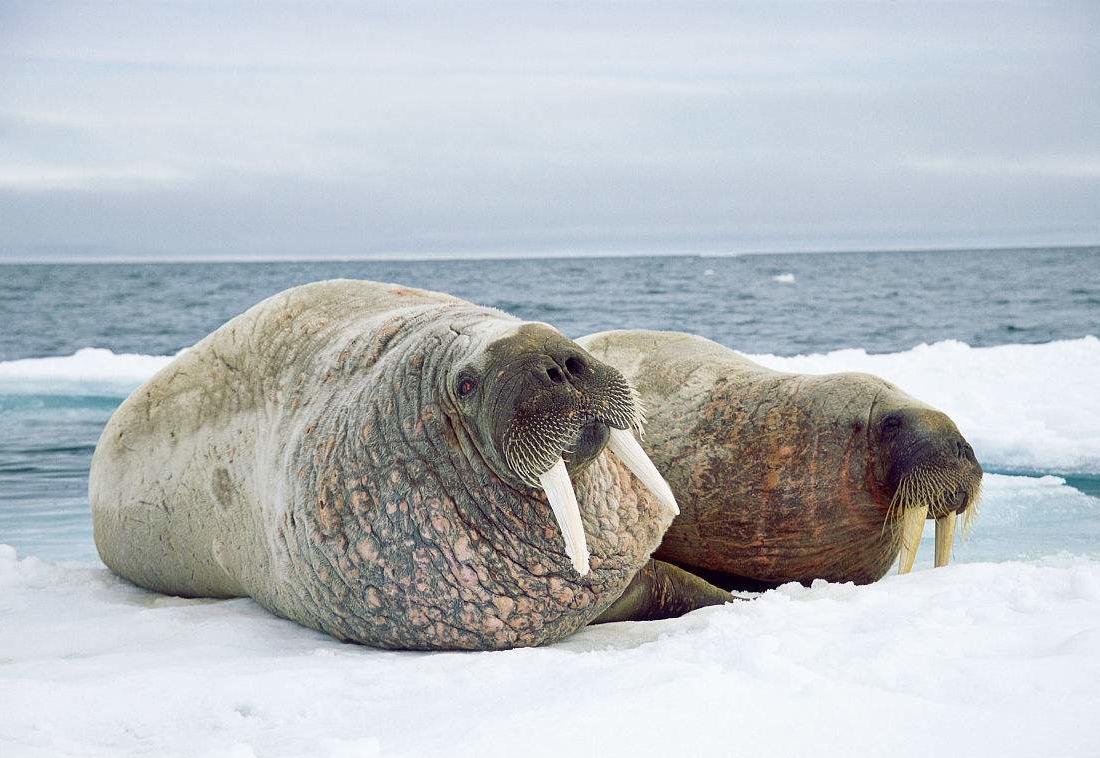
(466, 386)
(891, 424)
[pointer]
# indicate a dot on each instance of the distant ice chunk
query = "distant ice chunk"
(787, 278)
(90, 369)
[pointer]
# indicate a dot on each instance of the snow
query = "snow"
(992, 659)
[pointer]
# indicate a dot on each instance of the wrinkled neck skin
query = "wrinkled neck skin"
(766, 491)
(399, 533)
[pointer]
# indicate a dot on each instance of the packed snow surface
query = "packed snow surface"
(973, 659)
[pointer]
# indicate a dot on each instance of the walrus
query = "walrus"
(394, 467)
(789, 477)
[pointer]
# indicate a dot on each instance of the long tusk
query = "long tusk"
(912, 527)
(563, 501)
(623, 445)
(945, 538)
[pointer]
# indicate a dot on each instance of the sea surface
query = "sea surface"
(985, 319)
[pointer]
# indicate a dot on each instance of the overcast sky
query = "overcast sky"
(294, 129)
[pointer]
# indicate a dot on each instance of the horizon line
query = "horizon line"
(529, 255)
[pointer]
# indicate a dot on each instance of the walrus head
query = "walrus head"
(930, 470)
(540, 408)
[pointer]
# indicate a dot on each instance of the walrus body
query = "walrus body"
(786, 477)
(366, 459)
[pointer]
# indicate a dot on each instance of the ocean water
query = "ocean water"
(1004, 341)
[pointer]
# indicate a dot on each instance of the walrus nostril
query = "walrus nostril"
(964, 452)
(555, 375)
(574, 365)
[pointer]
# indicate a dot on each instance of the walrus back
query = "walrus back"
(183, 467)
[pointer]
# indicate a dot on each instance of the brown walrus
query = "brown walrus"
(789, 477)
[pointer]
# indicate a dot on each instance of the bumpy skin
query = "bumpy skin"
(312, 454)
(780, 477)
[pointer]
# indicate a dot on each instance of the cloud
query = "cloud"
(1036, 166)
(87, 178)
(180, 127)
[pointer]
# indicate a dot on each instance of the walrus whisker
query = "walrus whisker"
(973, 507)
(898, 503)
(931, 492)
(533, 450)
(638, 420)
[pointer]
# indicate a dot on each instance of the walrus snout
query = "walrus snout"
(922, 438)
(931, 472)
(570, 385)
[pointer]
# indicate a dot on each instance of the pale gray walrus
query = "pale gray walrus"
(791, 477)
(392, 466)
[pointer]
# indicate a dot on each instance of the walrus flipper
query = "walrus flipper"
(662, 591)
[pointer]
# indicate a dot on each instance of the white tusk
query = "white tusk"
(945, 538)
(912, 527)
(563, 501)
(623, 445)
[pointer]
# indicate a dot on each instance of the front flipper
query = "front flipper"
(662, 591)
